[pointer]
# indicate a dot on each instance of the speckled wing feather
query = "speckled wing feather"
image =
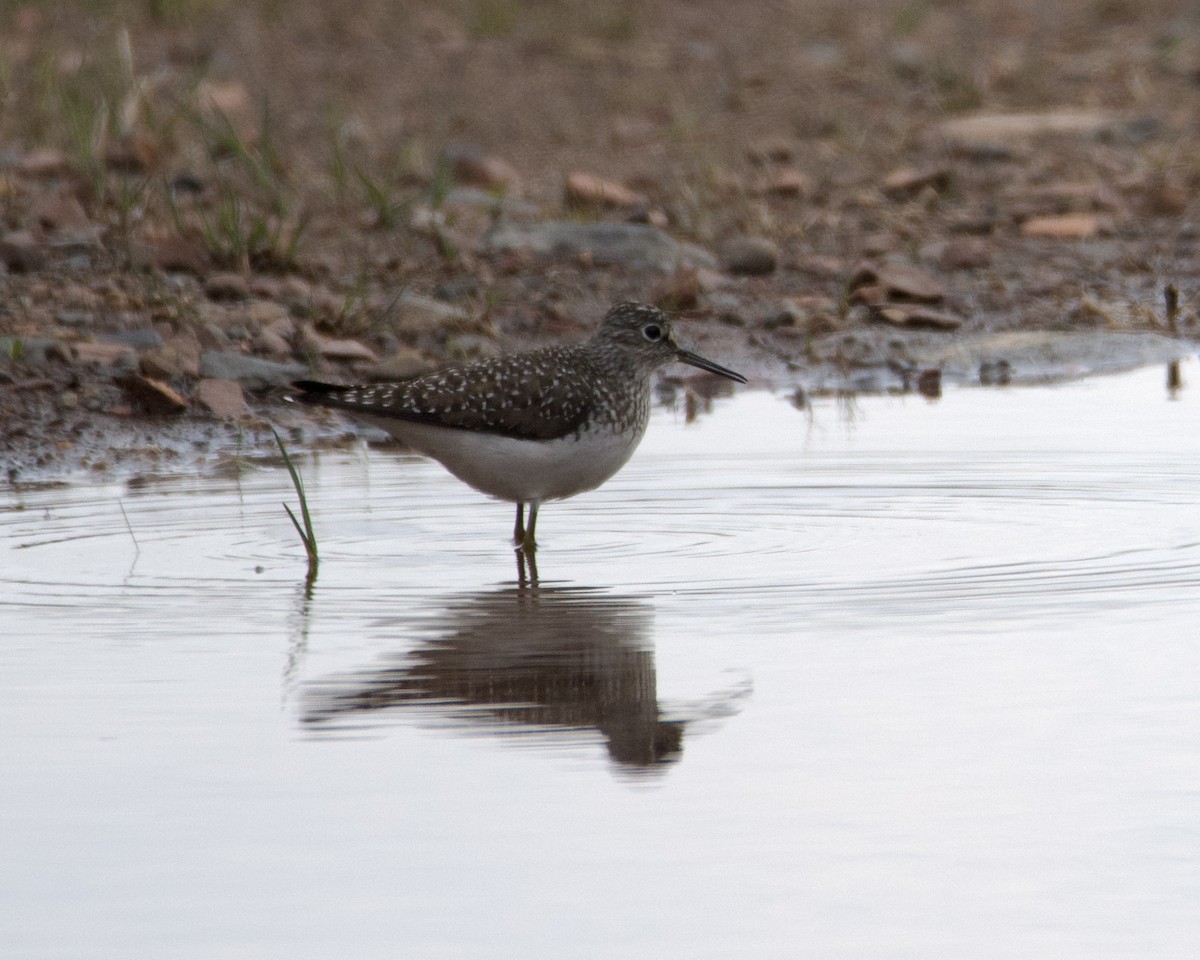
(541, 395)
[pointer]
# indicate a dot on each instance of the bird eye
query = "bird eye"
(652, 332)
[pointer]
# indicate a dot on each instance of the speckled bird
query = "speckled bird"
(530, 427)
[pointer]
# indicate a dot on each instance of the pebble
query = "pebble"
(176, 253)
(222, 398)
(897, 281)
(907, 182)
(788, 182)
(988, 132)
(263, 313)
(271, 343)
(680, 291)
(965, 253)
(917, 317)
(43, 162)
(135, 339)
(87, 351)
(135, 152)
(335, 349)
(471, 166)
(62, 212)
(227, 286)
(586, 190)
(1067, 226)
(154, 396)
(749, 255)
(773, 149)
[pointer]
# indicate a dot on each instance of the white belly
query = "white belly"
(521, 471)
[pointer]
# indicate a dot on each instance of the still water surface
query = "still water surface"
(883, 678)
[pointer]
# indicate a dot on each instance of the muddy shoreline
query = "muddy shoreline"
(200, 202)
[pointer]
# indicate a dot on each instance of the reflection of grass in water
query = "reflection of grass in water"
(307, 536)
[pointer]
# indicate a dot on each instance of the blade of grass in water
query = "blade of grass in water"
(307, 536)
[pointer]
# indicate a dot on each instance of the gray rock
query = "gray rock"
(138, 339)
(253, 373)
(634, 244)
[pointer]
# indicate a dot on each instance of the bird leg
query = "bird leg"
(527, 572)
(530, 544)
(523, 535)
(519, 529)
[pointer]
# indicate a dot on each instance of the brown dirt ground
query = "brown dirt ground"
(318, 152)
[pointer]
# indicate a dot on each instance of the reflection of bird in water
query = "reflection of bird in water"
(549, 662)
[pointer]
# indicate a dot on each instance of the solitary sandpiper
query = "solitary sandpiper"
(530, 427)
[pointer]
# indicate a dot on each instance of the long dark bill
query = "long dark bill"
(695, 360)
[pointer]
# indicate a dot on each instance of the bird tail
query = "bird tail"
(312, 391)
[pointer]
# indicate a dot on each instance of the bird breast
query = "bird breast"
(521, 471)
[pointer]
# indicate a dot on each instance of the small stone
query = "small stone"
(1067, 226)
(335, 349)
(998, 131)
(80, 297)
(900, 282)
(272, 344)
(20, 252)
(63, 212)
(133, 153)
(917, 317)
(771, 150)
(43, 162)
(585, 190)
(929, 383)
(161, 363)
(788, 182)
(222, 398)
(821, 265)
(810, 314)
(472, 167)
(910, 181)
(680, 291)
(749, 255)
(104, 354)
(154, 396)
(965, 253)
(187, 182)
(263, 313)
(176, 253)
(134, 339)
(1166, 200)
(227, 286)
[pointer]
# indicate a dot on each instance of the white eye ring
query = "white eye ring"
(652, 332)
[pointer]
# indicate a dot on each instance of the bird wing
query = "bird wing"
(524, 396)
